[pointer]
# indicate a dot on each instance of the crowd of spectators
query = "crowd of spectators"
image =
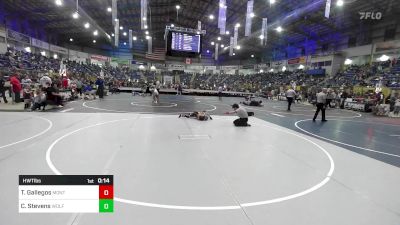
(36, 69)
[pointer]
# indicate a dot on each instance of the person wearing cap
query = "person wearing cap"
(321, 101)
(242, 114)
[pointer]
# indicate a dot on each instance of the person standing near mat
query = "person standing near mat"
(321, 103)
(100, 87)
(290, 95)
(242, 114)
(156, 96)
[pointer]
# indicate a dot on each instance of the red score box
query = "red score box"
(106, 192)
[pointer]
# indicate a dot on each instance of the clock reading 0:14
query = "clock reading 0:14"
(104, 180)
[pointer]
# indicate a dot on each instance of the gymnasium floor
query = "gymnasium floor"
(284, 169)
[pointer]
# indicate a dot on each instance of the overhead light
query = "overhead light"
(108, 36)
(124, 43)
(43, 53)
(227, 32)
(219, 38)
(348, 62)
(94, 41)
(261, 37)
(124, 33)
(237, 25)
(172, 25)
(252, 56)
(28, 49)
(301, 67)
(222, 46)
(134, 38)
(71, 39)
(234, 54)
(271, 70)
(238, 47)
(177, 7)
(145, 26)
(112, 34)
(87, 25)
(208, 51)
(147, 32)
(198, 32)
(147, 37)
(109, 9)
(279, 29)
(152, 68)
(340, 3)
(283, 68)
(271, 1)
(59, 2)
(384, 58)
(225, 48)
(121, 27)
(221, 5)
(115, 19)
(252, 15)
(75, 15)
(211, 17)
(141, 67)
(261, 71)
(144, 18)
(212, 43)
(55, 56)
(95, 33)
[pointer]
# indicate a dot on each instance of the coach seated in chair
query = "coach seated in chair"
(53, 96)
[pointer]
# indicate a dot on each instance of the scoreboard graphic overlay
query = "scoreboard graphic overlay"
(66, 194)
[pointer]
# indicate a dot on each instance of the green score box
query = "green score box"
(106, 205)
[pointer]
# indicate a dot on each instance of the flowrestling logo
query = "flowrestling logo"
(370, 15)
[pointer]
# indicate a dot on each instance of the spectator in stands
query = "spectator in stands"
(53, 95)
(26, 81)
(321, 103)
(3, 89)
(64, 82)
(290, 95)
(39, 100)
(396, 109)
(242, 114)
(15, 88)
(79, 86)
(44, 81)
(27, 93)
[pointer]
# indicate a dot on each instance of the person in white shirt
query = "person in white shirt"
(242, 114)
(156, 96)
(26, 82)
(321, 101)
(220, 89)
(290, 95)
(44, 80)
